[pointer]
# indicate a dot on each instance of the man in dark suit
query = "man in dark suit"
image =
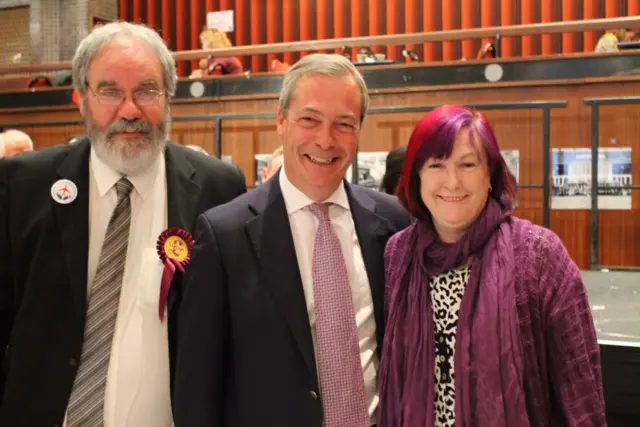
(82, 341)
(282, 317)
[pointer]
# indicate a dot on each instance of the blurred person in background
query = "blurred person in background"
(14, 142)
(393, 170)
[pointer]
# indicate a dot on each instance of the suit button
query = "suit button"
(314, 395)
(73, 362)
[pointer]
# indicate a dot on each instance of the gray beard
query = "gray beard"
(129, 157)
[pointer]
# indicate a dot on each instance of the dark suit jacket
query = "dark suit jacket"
(245, 354)
(43, 267)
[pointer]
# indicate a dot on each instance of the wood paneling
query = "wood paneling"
(522, 130)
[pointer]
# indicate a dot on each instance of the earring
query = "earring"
(490, 188)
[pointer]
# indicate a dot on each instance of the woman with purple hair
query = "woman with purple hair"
(488, 322)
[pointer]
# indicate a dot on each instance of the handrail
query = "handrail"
(384, 40)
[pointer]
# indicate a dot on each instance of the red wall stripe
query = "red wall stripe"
(612, 8)
(124, 10)
(571, 42)
(307, 22)
(181, 35)
(529, 12)
(152, 13)
(470, 19)
(633, 7)
(291, 28)
(242, 29)
(546, 12)
(274, 27)
(165, 13)
(489, 16)
(395, 25)
(432, 20)
(341, 20)
(324, 24)
(197, 22)
(413, 23)
(137, 11)
(377, 23)
(508, 17)
(451, 21)
(209, 6)
(258, 34)
(358, 22)
(591, 10)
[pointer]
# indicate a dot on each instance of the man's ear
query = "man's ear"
(280, 122)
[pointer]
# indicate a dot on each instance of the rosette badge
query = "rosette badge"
(174, 248)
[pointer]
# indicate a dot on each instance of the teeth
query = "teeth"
(320, 160)
(452, 199)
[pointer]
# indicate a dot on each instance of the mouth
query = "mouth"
(321, 160)
(452, 199)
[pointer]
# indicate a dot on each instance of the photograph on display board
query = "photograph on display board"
(371, 167)
(571, 178)
(261, 163)
(512, 159)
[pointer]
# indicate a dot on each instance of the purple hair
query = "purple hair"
(434, 137)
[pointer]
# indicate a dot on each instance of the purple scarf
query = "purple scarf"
(488, 359)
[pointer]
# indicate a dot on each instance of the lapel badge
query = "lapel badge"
(64, 191)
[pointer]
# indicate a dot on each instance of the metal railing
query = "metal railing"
(544, 106)
(595, 104)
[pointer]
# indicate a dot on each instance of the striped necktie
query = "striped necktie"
(86, 405)
(344, 400)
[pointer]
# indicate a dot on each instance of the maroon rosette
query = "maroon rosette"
(174, 248)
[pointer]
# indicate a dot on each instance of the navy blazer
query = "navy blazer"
(245, 354)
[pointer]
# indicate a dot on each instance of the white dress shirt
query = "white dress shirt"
(304, 226)
(137, 389)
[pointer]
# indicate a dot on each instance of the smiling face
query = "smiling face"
(455, 190)
(320, 133)
(128, 136)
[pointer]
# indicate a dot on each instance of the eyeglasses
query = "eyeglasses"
(115, 98)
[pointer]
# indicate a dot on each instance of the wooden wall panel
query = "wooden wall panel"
(522, 130)
(180, 20)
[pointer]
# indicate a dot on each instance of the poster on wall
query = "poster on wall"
(227, 159)
(512, 159)
(371, 167)
(571, 178)
(261, 163)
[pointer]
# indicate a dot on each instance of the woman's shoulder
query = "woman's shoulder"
(401, 239)
(536, 247)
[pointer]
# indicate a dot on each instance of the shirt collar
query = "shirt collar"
(296, 200)
(106, 177)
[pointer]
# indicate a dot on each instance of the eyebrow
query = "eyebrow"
(341, 116)
(106, 83)
(112, 83)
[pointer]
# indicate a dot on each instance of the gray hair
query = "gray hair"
(324, 64)
(97, 38)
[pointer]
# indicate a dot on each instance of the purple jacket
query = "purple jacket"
(561, 381)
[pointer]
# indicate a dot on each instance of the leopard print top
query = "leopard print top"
(447, 290)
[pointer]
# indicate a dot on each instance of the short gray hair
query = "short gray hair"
(97, 38)
(324, 64)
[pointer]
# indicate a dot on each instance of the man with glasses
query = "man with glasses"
(84, 334)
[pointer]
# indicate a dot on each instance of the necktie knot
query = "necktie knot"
(321, 211)
(123, 188)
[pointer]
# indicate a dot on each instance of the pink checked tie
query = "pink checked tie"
(341, 379)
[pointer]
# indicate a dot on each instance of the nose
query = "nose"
(453, 181)
(326, 138)
(129, 110)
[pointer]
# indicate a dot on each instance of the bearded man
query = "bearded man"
(85, 337)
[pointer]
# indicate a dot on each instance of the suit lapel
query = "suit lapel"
(183, 193)
(73, 221)
(372, 232)
(270, 235)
